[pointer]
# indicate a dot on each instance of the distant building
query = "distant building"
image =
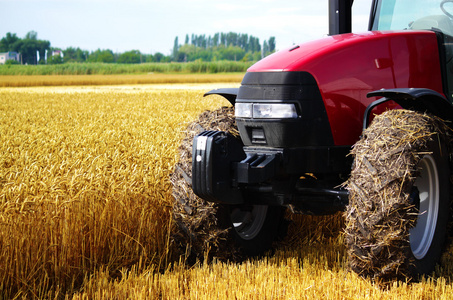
(57, 52)
(9, 55)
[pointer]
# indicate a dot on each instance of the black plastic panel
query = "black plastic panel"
(298, 161)
(310, 129)
(212, 173)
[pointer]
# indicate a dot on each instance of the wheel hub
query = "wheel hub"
(248, 222)
(427, 183)
(414, 197)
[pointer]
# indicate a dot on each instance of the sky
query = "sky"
(151, 26)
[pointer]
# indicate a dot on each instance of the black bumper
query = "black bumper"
(224, 171)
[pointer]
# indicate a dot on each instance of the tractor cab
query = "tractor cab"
(395, 15)
(420, 15)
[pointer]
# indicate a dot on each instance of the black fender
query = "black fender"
(228, 93)
(417, 99)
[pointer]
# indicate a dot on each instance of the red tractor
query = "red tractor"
(385, 95)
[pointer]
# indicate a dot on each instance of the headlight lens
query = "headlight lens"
(274, 111)
(265, 111)
(243, 110)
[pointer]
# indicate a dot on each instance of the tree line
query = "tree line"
(220, 46)
(29, 46)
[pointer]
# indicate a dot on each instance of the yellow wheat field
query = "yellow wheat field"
(85, 208)
(79, 80)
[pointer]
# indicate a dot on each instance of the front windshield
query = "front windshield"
(413, 14)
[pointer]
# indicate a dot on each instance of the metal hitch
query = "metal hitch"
(256, 168)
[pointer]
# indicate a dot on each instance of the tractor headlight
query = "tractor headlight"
(243, 110)
(274, 111)
(265, 111)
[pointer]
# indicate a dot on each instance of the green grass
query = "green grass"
(111, 69)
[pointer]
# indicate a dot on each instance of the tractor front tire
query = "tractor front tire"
(205, 230)
(399, 204)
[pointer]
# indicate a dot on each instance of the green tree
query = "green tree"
(55, 59)
(222, 46)
(216, 40)
(265, 48)
(31, 35)
(105, 56)
(271, 44)
(7, 43)
(187, 52)
(248, 57)
(130, 57)
(72, 54)
(30, 46)
(256, 56)
(231, 53)
(158, 57)
(175, 49)
(243, 42)
(27, 47)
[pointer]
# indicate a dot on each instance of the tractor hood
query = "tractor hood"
(348, 66)
(350, 46)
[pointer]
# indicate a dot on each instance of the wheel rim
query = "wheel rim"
(248, 222)
(427, 183)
